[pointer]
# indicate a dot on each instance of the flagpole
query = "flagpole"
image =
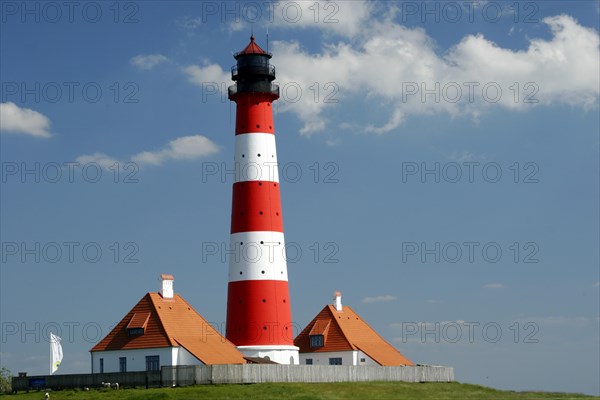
(50, 353)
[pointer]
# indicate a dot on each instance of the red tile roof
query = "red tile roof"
(345, 331)
(171, 323)
(167, 276)
(320, 327)
(252, 48)
(139, 320)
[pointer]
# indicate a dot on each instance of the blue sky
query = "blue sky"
(438, 163)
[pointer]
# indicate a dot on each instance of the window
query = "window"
(122, 364)
(309, 361)
(335, 361)
(316, 341)
(102, 365)
(152, 363)
(135, 331)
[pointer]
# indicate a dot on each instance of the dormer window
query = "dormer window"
(317, 341)
(135, 331)
(317, 334)
(137, 324)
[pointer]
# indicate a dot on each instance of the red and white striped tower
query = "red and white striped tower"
(259, 320)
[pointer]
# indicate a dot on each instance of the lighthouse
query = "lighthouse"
(259, 320)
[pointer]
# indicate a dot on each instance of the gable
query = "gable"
(170, 322)
(365, 338)
(190, 330)
(154, 333)
(346, 331)
(334, 337)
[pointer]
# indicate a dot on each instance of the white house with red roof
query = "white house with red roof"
(162, 329)
(339, 336)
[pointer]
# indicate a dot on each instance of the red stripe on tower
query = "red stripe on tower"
(259, 320)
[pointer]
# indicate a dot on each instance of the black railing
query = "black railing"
(268, 70)
(257, 87)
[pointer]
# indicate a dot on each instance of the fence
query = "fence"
(249, 373)
(57, 382)
(245, 373)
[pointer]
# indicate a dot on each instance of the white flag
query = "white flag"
(56, 352)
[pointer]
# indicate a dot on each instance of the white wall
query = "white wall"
(184, 357)
(322, 358)
(350, 357)
(280, 354)
(136, 358)
(368, 360)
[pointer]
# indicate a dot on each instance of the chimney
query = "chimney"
(337, 301)
(166, 286)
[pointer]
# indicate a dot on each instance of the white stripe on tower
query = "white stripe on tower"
(255, 157)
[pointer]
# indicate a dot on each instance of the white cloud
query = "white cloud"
(148, 61)
(183, 148)
(395, 121)
(99, 158)
(494, 286)
(147, 157)
(23, 120)
(346, 18)
(302, 91)
(564, 68)
(391, 61)
(209, 74)
(379, 299)
(596, 284)
(391, 68)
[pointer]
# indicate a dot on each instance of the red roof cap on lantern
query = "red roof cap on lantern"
(252, 48)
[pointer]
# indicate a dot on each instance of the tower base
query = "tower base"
(279, 354)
